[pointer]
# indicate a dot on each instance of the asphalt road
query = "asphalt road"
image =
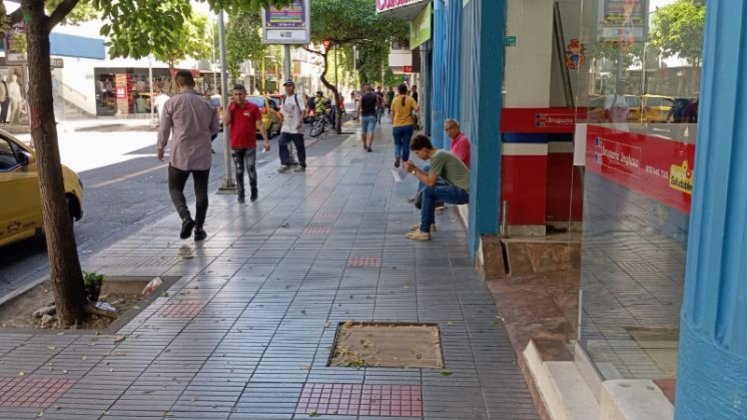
(120, 198)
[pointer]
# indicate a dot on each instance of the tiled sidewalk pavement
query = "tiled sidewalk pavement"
(246, 332)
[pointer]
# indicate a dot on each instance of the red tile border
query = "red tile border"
(317, 230)
(361, 400)
(327, 214)
(180, 310)
(668, 387)
(32, 392)
(364, 262)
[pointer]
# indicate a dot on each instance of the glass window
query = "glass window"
(638, 179)
(8, 158)
(257, 100)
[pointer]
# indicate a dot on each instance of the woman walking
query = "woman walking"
(403, 107)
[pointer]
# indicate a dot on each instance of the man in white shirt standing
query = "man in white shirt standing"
(159, 102)
(293, 111)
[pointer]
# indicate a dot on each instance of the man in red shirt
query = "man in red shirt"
(459, 141)
(243, 118)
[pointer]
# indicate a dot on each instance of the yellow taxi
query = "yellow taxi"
(269, 110)
(598, 108)
(656, 108)
(21, 212)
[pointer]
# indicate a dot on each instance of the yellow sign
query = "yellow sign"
(681, 178)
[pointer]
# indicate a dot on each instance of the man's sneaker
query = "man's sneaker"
(369, 149)
(417, 235)
(283, 168)
(396, 162)
(187, 225)
(241, 199)
(299, 169)
(253, 197)
(439, 205)
(416, 226)
(200, 234)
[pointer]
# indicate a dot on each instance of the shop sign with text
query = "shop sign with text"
(384, 5)
(658, 168)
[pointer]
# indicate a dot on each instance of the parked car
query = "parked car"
(656, 108)
(269, 110)
(677, 113)
(598, 113)
(21, 212)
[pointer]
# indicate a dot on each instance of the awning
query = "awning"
(401, 9)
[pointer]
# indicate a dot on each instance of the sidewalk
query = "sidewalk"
(247, 331)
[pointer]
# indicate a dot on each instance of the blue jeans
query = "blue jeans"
(297, 139)
(439, 193)
(368, 123)
(402, 137)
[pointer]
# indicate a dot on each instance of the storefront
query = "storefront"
(638, 105)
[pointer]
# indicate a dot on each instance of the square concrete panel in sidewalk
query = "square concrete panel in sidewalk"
(387, 345)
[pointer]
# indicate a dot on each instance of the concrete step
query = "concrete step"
(563, 389)
(578, 400)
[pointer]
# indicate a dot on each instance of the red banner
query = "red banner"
(540, 120)
(658, 168)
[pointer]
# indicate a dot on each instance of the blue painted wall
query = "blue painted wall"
(438, 79)
(712, 372)
(480, 91)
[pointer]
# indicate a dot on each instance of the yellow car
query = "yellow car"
(656, 108)
(21, 212)
(269, 110)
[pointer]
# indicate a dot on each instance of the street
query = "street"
(125, 189)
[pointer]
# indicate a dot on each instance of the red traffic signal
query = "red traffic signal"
(327, 43)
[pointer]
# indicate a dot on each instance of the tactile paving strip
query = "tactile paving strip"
(32, 392)
(361, 400)
(364, 262)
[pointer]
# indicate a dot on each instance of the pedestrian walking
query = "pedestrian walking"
(293, 112)
(389, 99)
(379, 104)
(243, 119)
(367, 112)
(403, 107)
(190, 120)
(159, 102)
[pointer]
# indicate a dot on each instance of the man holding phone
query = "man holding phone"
(242, 119)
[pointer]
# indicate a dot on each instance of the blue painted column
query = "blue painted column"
(452, 90)
(482, 77)
(438, 37)
(712, 372)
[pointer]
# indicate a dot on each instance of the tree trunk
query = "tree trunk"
(65, 271)
(333, 88)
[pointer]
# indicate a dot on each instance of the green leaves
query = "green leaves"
(678, 29)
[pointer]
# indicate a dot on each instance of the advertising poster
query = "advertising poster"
(287, 25)
(658, 168)
(622, 21)
(15, 43)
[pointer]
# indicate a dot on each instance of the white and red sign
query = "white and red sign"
(384, 5)
(539, 120)
(658, 168)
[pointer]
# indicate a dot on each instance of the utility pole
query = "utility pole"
(287, 61)
(228, 186)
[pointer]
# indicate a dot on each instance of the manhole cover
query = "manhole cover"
(387, 345)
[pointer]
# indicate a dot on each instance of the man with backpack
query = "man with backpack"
(293, 111)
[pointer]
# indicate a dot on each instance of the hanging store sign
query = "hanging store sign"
(622, 21)
(384, 5)
(287, 25)
(420, 27)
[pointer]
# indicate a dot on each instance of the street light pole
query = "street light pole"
(228, 186)
(287, 63)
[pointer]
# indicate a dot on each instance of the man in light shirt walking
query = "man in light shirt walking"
(190, 120)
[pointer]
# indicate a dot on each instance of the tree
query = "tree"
(244, 40)
(349, 22)
(195, 42)
(152, 24)
(678, 30)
